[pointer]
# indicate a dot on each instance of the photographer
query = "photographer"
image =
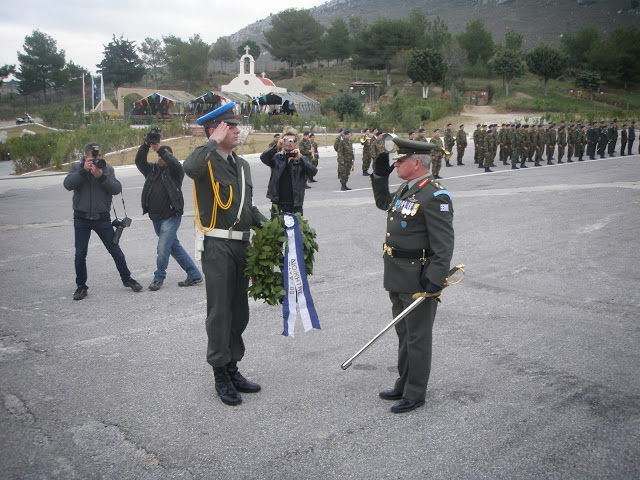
(162, 199)
(288, 169)
(94, 183)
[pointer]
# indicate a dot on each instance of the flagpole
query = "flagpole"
(102, 92)
(93, 97)
(84, 97)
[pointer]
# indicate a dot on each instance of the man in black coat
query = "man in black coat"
(288, 169)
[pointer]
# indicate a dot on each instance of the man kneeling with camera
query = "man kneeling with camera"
(94, 183)
(162, 199)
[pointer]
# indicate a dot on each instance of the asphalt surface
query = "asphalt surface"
(536, 358)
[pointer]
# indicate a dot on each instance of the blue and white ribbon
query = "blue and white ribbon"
(297, 296)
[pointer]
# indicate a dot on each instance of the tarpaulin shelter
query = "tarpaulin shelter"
(289, 103)
(212, 100)
(163, 105)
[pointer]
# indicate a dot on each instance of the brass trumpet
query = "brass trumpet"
(447, 154)
(363, 139)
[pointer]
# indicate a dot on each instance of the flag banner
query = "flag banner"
(95, 90)
(102, 97)
(297, 295)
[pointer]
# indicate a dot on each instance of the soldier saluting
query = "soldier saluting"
(417, 256)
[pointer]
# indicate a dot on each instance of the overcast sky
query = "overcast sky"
(82, 28)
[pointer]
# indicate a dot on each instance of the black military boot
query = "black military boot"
(448, 164)
(522, 165)
(240, 383)
(225, 389)
(487, 170)
(549, 162)
(513, 167)
(569, 161)
(481, 165)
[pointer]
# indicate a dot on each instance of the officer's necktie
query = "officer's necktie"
(232, 162)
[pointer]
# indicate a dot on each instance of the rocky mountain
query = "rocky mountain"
(537, 20)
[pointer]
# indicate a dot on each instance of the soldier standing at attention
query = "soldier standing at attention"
(224, 214)
(603, 139)
(571, 142)
(581, 139)
(377, 146)
(336, 146)
(538, 143)
(417, 256)
(421, 135)
(476, 142)
(612, 137)
(461, 142)
(552, 139)
(516, 147)
(562, 142)
(411, 135)
(592, 139)
(366, 152)
(623, 139)
(632, 137)
(315, 156)
(346, 158)
(449, 141)
(489, 144)
(527, 146)
(437, 153)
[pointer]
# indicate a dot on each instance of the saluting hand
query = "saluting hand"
(220, 132)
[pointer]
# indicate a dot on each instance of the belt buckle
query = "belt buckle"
(246, 236)
(230, 236)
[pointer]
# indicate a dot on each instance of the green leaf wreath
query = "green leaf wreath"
(265, 258)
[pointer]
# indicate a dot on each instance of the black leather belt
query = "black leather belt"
(403, 253)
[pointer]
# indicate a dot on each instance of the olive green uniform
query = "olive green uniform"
(436, 155)
(461, 142)
(224, 260)
(449, 141)
(345, 160)
(366, 154)
(315, 156)
(419, 229)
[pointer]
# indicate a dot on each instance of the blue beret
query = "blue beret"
(221, 114)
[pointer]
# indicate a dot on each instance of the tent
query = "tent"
(211, 100)
(290, 102)
(163, 105)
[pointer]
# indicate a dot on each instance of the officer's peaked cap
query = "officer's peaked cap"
(406, 148)
(224, 113)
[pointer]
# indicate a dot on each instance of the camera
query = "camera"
(289, 140)
(153, 136)
(289, 155)
(98, 162)
(120, 224)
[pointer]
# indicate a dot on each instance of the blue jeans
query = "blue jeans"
(168, 244)
(105, 231)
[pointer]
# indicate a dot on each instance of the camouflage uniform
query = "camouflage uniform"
(571, 141)
(562, 143)
(539, 141)
(336, 147)
(489, 148)
(436, 156)
(461, 142)
(581, 139)
(345, 161)
(314, 156)
(515, 145)
(552, 139)
(476, 140)
(527, 146)
(366, 155)
(376, 147)
(449, 142)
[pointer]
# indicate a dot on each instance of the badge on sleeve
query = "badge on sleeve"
(444, 207)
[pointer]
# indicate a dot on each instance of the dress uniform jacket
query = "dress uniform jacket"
(420, 219)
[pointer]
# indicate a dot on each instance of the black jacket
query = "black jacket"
(277, 162)
(172, 177)
(92, 196)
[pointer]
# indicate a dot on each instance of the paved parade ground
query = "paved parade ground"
(536, 353)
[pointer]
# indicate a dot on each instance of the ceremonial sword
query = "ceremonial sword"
(418, 298)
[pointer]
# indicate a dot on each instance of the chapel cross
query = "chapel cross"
(246, 49)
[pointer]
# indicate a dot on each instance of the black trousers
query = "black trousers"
(223, 264)
(415, 336)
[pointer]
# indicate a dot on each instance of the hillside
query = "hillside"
(537, 20)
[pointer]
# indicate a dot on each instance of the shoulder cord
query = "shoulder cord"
(216, 202)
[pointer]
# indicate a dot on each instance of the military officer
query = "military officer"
(461, 143)
(603, 139)
(224, 214)
(276, 137)
(476, 142)
(527, 145)
(417, 256)
(366, 152)
(411, 135)
(489, 146)
(581, 140)
(336, 147)
(571, 141)
(346, 159)
(632, 137)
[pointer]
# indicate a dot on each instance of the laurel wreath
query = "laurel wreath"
(265, 258)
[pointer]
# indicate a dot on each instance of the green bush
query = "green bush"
(32, 152)
(346, 104)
